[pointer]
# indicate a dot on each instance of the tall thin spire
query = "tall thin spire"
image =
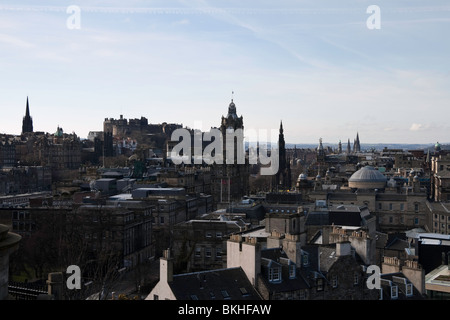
(27, 112)
(27, 123)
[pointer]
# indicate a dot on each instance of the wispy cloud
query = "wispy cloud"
(15, 41)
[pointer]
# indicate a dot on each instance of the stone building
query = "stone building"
(9, 243)
(140, 129)
(292, 271)
(397, 207)
(200, 244)
(230, 182)
(195, 180)
(218, 284)
(7, 152)
(122, 230)
(25, 180)
(409, 278)
(440, 177)
(170, 207)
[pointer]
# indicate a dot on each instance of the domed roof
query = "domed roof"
(367, 178)
(302, 177)
(232, 110)
(437, 146)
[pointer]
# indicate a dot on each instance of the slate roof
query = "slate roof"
(277, 257)
(381, 239)
(400, 280)
(220, 284)
(317, 218)
(327, 257)
(396, 243)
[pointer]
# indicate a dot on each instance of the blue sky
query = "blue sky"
(315, 65)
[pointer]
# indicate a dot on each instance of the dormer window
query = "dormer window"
(355, 278)
(292, 271)
(334, 281)
(274, 274)
(225, 294)
(305, 259)
(394, 291)
(409, 289)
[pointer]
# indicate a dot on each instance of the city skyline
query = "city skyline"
(317, 67)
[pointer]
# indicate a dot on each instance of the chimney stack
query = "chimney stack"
(343, 248)
(166, 267)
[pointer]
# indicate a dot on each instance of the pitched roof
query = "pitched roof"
(399, 280)
(220, 284)
(277, 258)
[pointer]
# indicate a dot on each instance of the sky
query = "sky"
(327, 69)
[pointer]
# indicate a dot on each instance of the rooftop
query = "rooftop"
(218, 284)
(438, 279)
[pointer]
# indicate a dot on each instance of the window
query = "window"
(355, 278)
(274, 274)
(334, 281)
(319, 284)
(380, 206)
(416, 207)
(198, 251)
(219, 252)
(305, 259)
(394, 292)
(390, 206)
(302, 295)
(244, 292)
(225, 294)
(208, 252)
(416, 221)
(409, 289)
(391, 219)
(218, 234)
(209, 235)
(402, 206)
(292, 271)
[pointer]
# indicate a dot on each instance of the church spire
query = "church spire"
(27, 112)
(27, 123)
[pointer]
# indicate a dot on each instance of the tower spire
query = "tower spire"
(27, 111)
(27, 123)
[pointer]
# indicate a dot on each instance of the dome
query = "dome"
(232, 110)
(302, 177)
(367, 178)
(437, 146)
(392, 183)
